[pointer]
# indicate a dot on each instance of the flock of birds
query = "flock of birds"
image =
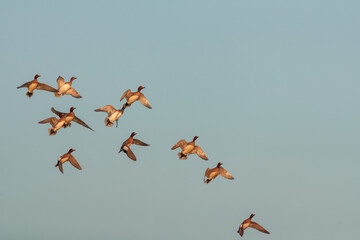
(65, 119)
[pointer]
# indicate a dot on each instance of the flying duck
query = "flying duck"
(67, 157)
(125, 147)
(188, 148)
(248, 223)
(113, 114)
(55, 123)
(34, 84)
(131, 97)
(64, 88)
(210, 174)
(71, 117)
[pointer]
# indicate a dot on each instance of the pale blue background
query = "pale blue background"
(271, 88)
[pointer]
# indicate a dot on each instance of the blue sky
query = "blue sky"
(271, 88)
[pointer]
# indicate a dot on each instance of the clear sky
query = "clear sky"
(270, 87)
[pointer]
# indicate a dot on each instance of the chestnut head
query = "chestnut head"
(140, 88)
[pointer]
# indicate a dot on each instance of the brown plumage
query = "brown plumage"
(113, 114)
(248, 223)
(210, 174)
(131, 97)
(71, 117)
(67, 157)
(55, 123)
(64, 88)
(125, 147)
(188, 148)
(34, 84)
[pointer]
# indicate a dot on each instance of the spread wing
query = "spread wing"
(197, 149)
(126, 95)
(78, 120)
(258, 227)
(144, 101)
(51, 120)
(57, 112)
(241, 230)
(73, 162)
(108, 109)
(207, 173)
(43, 86)
(138, 142)
(25, 84)
(60, 82)
(73, 93)
(182, 143)
(130, 154)
(60, 167)
(225, 173)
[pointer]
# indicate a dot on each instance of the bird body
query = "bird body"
(131, 97)
(249, 223)
(188, 148)
(34, 84)
(64, 88)
(125, 147)
(67, 157)
(210, 174)
(113, 114)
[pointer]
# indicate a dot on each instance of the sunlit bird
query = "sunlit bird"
(113, 114)
(248, 223)
(125, 147)
(34, 84)
(131, 97)
(210, 174)
(67, 157)
(69, 117)
(64, 88)
(188, 148)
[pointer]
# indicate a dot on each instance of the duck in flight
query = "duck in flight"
(131, 97)
(34, 84)
(69, 117)
(113, 114)
(188, 148)
(64, 88)
(125, 147)
(249, 223)
(210, 174)
(67, 157)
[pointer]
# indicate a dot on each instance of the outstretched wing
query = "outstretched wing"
(57, 112)
(207, 173)
(51, 120)
(138, 142)
(25, 84)
(182, 143)
(73, 162)
(241, 230)
(79, 121)
(43, 86)
(258, 227)
(126, 95)
(197, 149)
(60, 82)
(225, 173)
(61, 167)
(108, 109)
(73, 93)
(144, 101)
(130, 154)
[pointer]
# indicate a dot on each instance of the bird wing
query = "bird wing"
(56, 112)
(79, 121)
(138, 142)
(182, 143)
(207, 173)
(130, 154)
(225, 173)
(25, 84)
(73, 162)
(60, 82)
(51, 120)
(43, 86)
(144, 101)
(197, 149)
(108, 109)
(73, 93)
(126, 95)
(60, 167)
(258, 227)
(241, 230)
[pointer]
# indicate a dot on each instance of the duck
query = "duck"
(67, 157)
(125, 147)
(188, 148)
(64, 88)
(34, 84)
(69, 117)
(55, 123)
(131, 97)
(113, 114)
(210, 174)
(248, 223)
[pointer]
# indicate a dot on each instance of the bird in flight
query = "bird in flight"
(210, 174)
(188, 148)
(64, 88)
(113, 114)
(71, 117)
(248, 223)
(125, 147)
(34, 84)
(131, 97)
(67, 157)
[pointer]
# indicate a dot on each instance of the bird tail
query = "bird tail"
(57, 94)
(182, 156)
(108, 123)
(51, 131)
(29, 94)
